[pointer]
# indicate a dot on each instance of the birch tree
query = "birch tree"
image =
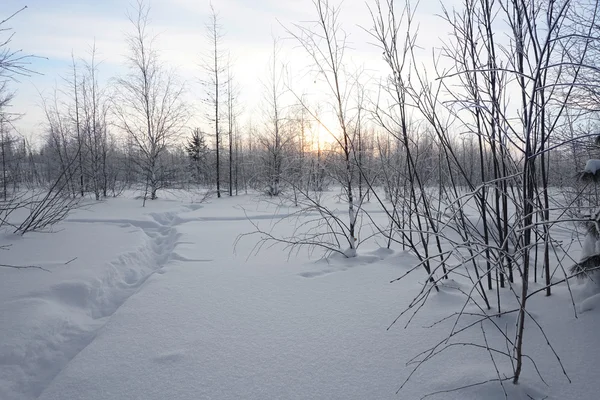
(324, 41)
(274, 139)
(92, 127)
(148, 104)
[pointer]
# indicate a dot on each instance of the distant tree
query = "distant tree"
(93, 128)
(61, 151)
(42, 207)
(232, 114)
(275, 139)
(197, 151)
(75, 88)
(12, 62)
(7, 147)
(298, 173)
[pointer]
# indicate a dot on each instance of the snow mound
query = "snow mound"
(589, 304)
(592, 166)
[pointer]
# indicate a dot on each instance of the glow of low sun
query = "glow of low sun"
(321, 137)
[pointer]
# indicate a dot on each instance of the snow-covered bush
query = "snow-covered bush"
(589, 261)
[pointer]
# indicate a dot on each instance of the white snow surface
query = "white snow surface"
(158, 305)
(592, 166)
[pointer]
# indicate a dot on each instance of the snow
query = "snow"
(159, 304)
(590, 247)
(592, 166)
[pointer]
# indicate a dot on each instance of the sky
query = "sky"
(54, 30)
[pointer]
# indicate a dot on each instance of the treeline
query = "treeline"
(101, 164)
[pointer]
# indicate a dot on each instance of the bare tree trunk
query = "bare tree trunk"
(214, 68)
(78, 127)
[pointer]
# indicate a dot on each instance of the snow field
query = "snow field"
(158, 305)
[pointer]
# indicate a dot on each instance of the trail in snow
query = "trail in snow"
(68, 314)
(162, 240)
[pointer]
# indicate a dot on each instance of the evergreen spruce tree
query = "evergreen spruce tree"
(197, 151)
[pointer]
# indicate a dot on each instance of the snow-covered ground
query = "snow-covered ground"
(155, 303)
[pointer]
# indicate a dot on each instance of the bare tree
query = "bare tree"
(214, 66)
(324, 41)
(44, 206)
(8, 156)
(232, 116)
(92, 126)
(148, 103)
(62, 151)
(74, 83)
(508, 189)
(12, 62)
(275, 138)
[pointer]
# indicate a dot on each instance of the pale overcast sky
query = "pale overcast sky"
(53, 29)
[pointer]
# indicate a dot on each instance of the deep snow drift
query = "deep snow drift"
(153, 303)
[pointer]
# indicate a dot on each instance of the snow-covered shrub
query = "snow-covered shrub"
(589, 261)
